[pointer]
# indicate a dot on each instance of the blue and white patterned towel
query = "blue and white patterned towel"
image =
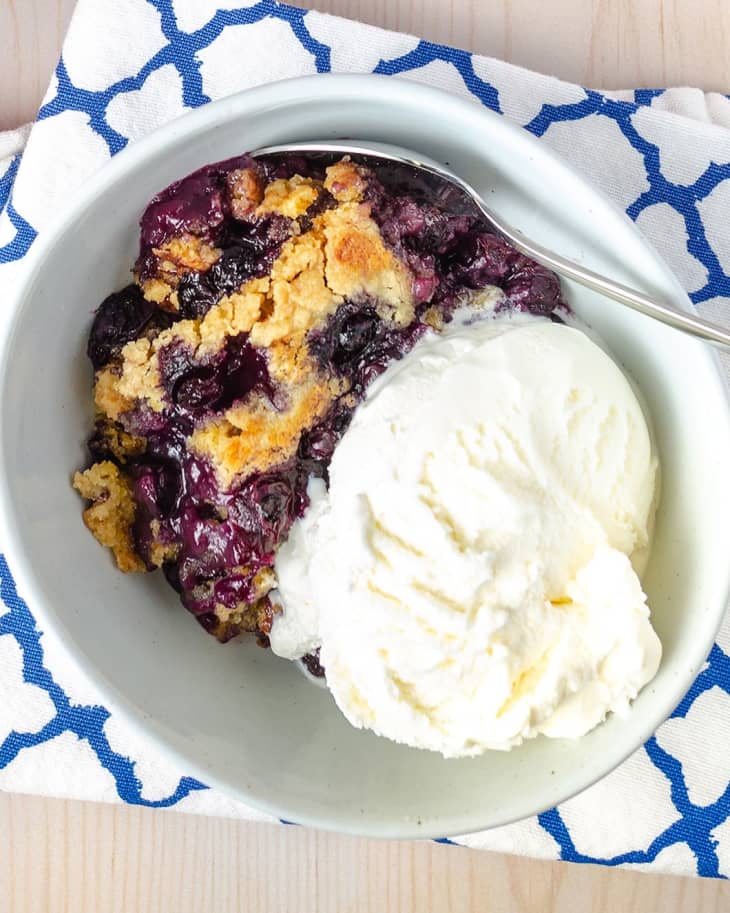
(129, 66)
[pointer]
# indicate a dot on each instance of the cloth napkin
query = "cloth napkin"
(663, 156)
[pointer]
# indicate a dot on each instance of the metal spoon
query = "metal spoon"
(650, 307)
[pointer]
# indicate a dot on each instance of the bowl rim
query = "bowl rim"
(337, 87)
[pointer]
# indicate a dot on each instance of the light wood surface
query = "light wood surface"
(31, 32)
(76, 857)
(610, 44)
(599, 43)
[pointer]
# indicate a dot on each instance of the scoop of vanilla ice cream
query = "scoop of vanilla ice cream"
(467, 575)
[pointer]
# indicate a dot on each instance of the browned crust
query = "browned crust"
(346, 181)
(111, 513)
(290, 197)
(121, 444)
(186, 253)
(246, 187)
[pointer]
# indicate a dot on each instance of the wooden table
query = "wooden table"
(70, 856)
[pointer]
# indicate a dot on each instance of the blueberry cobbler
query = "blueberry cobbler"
(267, 296)
(341, 415)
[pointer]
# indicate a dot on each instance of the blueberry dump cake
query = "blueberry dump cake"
(267, 296)
(341, 415)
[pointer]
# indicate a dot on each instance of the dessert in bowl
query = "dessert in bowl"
(236, 715)
(342, 415)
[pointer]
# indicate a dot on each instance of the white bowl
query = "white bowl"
(236, 716)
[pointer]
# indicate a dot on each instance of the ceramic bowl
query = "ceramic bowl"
(235, 716)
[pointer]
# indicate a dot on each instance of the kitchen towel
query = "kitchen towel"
(662, 156)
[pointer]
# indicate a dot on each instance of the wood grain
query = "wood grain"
(31, 32)
(600, 43)
(614, 44)
(76, 857)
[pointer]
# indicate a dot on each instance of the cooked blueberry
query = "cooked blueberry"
(235, 267)
(420, 228)
(312, 664)
(198, 204)
(275, 499)
(358, 345)
(406, 219)
(250, 247)
(353, 334)
(214, 384)
(534, 289)
(175, 362)
(481, 260)
(199, 389)
(424, 285)
(195, 296)
(171, 571)
(208, 620)
(318, 444)
(143, 421)
(346, 335)
(157, 486)
(243, 369)
(286, 166)
(268, 504)
(120, 318)
(209, 511)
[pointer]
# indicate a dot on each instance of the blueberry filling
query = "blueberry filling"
(451, 253)
(219, 540)
(120, 318)
(198, 204)
(195, 387)
(358, 345)
(317, 444)
(250, 250)
(312, 664)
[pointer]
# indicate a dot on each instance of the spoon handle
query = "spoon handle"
(650, 307)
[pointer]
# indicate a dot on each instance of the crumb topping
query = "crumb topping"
(358, 262)
(254, 436)
(160, 552)
(246, 187)
(109, 401)
(186, 253)
(111, 438)
(234, 314)
(289, 197)
(174, 259)
(346, 181)
(159, 291)
(253, 618)
(111, 513)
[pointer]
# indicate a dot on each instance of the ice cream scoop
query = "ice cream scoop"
(467, 576)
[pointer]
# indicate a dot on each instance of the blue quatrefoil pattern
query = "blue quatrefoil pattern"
(191, 51)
